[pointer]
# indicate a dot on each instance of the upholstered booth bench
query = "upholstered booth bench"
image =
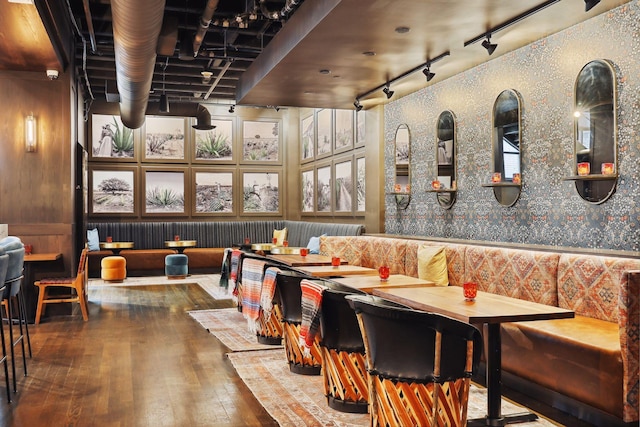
(148, 255)
(588, 365)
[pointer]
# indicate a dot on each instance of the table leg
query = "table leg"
(494, 385)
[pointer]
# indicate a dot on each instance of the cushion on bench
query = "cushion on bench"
(204, 258)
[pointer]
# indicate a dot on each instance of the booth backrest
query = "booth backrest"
(218, 234)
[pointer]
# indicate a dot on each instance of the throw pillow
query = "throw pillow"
(314, 244)
(280, 235)
(11, 243)
(432, 264)
(93, 240)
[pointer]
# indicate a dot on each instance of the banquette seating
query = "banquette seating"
(148, 255)
(587, 365)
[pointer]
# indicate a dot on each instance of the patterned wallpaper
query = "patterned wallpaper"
(549, 211)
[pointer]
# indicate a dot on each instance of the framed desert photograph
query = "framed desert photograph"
(360, 128)
(261, 192)
(164, 139)
(215, 145)
(307, 138)
(261, 141)
(343, 187)
(213, 192)
(325, 132)
(113, 191)
(110, 139)
(360, 184)
(343, 139)
(308, 188)
(323, 189)
(164, 191)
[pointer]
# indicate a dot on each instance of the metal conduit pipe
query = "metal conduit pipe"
(205, 20)
(136, 27)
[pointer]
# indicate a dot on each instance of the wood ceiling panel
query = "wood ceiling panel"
(24, 42)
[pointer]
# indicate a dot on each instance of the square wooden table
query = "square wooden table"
(295, 260)
(369, 283)
(490, 309)
(341, 270)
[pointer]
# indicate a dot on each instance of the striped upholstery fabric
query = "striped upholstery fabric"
(218, 234)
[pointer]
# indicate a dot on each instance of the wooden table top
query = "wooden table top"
(300, 261)
(180, 243)
(285, 250)
(116, 245)
(262, 246)
(42, 257)
(487, 307)
(341, 270)
(369, 283)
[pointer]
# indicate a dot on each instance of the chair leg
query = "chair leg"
(82, 300)
(40, 307)
(23, 313)
(20, 339)
(4, 361)
(11, 348)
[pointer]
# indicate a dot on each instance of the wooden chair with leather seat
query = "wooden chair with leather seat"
(77, 287)
(420, 364)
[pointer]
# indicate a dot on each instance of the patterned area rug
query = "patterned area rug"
(298, 400)
(208, 282)
(230, 327)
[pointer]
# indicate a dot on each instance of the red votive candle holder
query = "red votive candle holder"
(304, 252)
(109, 239)
(516, 178)
(435, 185)
(176, 237)
(496, 177)
(285, 243)
(335, 261)
(28, 249)
(383, 272)
(247, 241)
(607, 169)
(274, 240)
(584, 168)
(470, 290)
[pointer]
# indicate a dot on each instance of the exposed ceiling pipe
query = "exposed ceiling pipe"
(205, 20)
(217, 80)
(136, 27)
(89, 19)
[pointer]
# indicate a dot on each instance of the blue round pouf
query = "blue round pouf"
(176, 265)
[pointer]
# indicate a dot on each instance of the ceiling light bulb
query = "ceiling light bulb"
(206, 74)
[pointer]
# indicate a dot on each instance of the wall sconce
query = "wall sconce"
(30, 133)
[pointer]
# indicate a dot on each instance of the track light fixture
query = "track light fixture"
(387, 91)
(491, 47)
(428, 74)
(232, 108)
(357, 105)
(589, 4)
(275, 107)
(164, 101)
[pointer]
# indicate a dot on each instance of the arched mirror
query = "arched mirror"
(506, 178)
(445, 184)
(595, 132)
(402, 184)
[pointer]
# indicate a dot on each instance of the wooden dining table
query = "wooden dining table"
(37, 263)
(335, 271)
(487, 309)
(371, 282)
(296, 260)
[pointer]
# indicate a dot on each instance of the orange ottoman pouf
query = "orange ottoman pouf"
(114, 268)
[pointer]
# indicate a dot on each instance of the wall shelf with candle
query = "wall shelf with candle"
(501, 184)
(591, 177)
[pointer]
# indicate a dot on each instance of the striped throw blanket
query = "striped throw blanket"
(311, 311)
(268, 290)
(233, 269)
(252, 274)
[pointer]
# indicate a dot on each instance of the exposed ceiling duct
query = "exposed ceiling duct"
(136, 27)
(205, 20)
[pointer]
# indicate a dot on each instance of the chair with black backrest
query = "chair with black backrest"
(4, 264)
(77, 287)
(289, 296)
(420, 364)
(344, 367)
(13, 299)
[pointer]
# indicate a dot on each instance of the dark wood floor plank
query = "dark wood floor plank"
(140, 360)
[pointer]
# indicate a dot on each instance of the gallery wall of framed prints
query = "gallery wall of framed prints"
(332, 163)
(168, 168)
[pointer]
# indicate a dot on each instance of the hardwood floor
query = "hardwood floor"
(140, 360)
